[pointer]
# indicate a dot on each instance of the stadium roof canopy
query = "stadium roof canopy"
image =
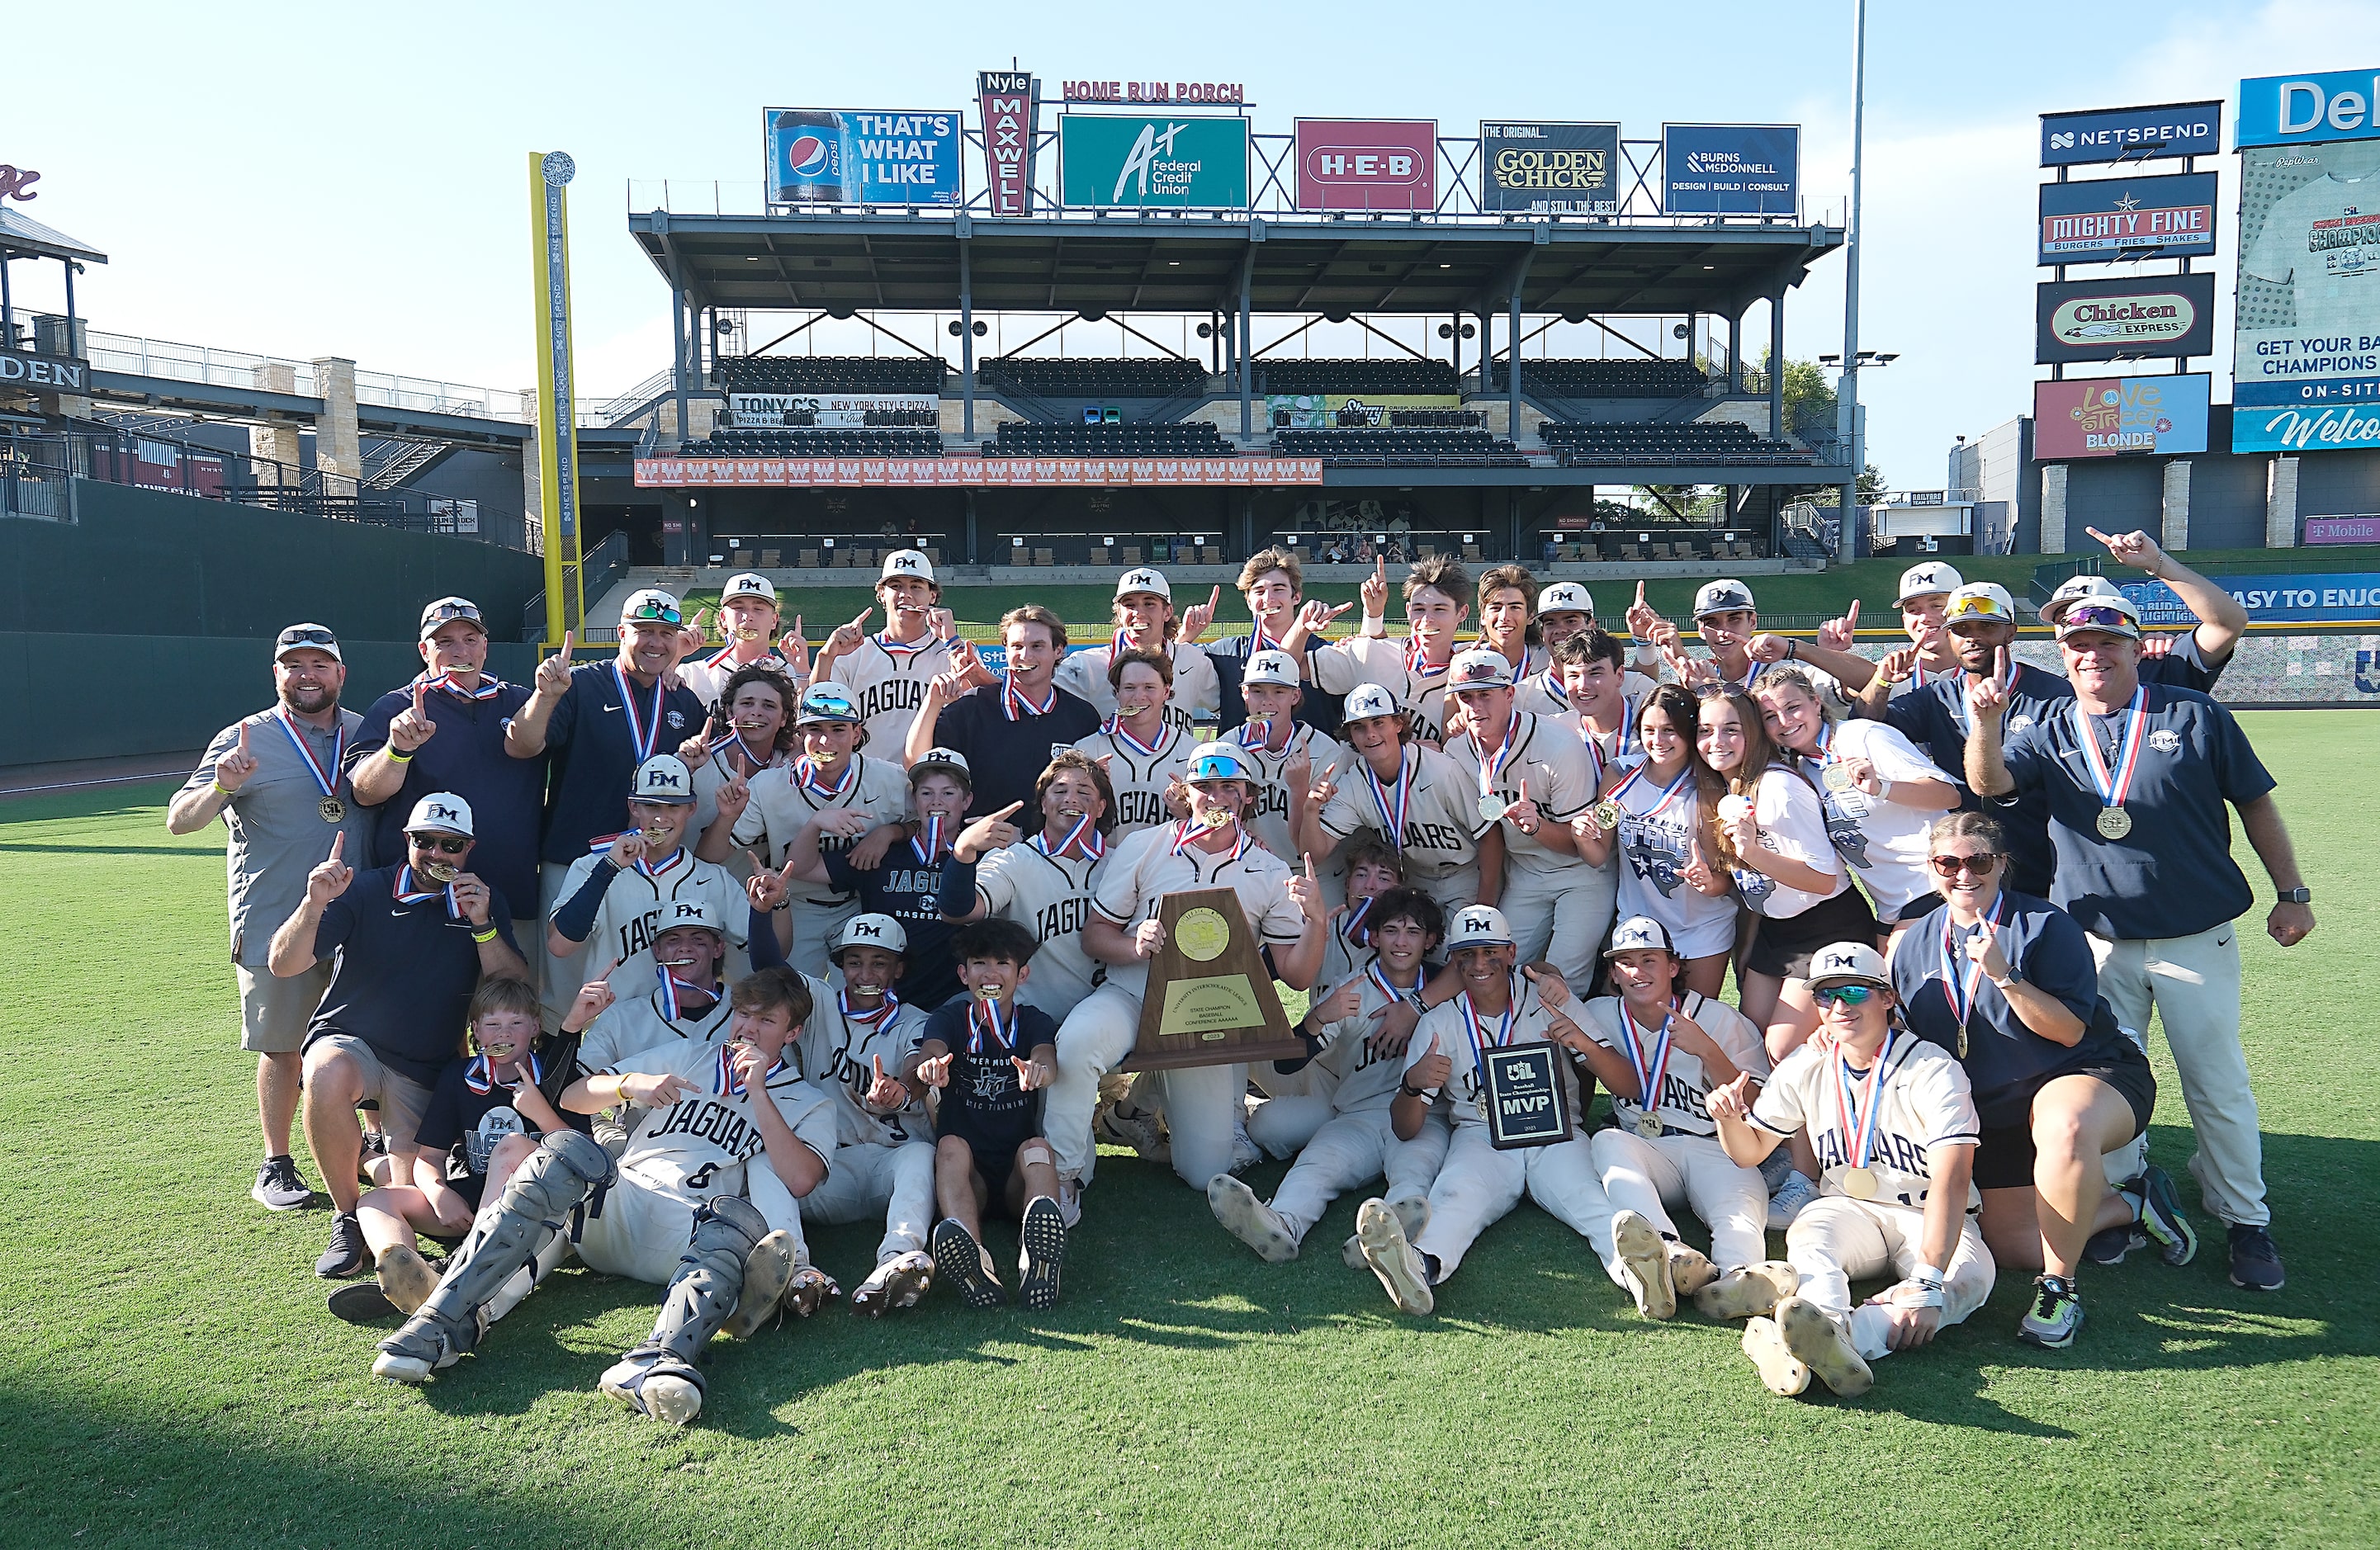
(1186, 263)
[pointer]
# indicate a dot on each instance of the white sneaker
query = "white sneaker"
(1795, 1193)
(1644, 1261)
(1070, 1201)
(1404, 1274)
(1413, 1215)
(1250, 1220)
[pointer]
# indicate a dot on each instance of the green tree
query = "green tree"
(1871, 485)
(1809, 397)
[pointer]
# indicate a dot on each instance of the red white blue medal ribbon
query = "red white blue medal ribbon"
(1261, 639)
(927, 844)
(1491, 769)
(1857, 1112)
(451, 682)
(675, 993)
(650, 870)
(1649, 1068)
(805, 775)
(870, 1020)
(479, 1075)
(326, 778)
(1961, 992)
(1187, 834)
(727, 1083)
(1418, 668)
(1256, 735)
(1481, 1040)
(1379, 979)
(644, 731)
(1669, 793)
(893, 646)
(411, 892)
(1957, 697)
(1086, 833)
(2114, 787)
(1016, 707)
(1352, 928)
(1122, 735)
(1394, 817)
(984, 1027)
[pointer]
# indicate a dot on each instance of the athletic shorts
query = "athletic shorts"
(273, 1011)
(995, 1148)
(400, 1099)
(2004, 1157)
(1783, 948)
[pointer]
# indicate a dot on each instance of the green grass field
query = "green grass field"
(173, 1378)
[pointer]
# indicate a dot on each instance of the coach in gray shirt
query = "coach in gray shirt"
(275, 778)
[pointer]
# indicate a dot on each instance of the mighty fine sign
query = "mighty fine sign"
(24, 369)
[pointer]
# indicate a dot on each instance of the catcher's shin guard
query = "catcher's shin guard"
(659, 1377)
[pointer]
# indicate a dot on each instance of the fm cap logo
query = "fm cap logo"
(1846, 962)
(660, 778)
(902, 562)
(440, 811)
(689, 911)
(865, 928)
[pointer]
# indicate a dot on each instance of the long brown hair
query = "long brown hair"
(1683, 711)
(1759, 754)
(789, 699)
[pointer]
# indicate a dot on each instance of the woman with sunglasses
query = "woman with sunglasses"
(2005, 982)
(751, 732)
(1877, 791)
(1656, 812)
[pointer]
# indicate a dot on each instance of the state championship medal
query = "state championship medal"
(1394, 817)
(327, 779)
(1959, 992)
(1491, 772)
(1607, 815)
(2113, 822)
(1649, 1068)
(1855, 1117)
(1833, 776)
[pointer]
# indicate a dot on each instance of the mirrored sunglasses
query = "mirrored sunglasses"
(1847, 995)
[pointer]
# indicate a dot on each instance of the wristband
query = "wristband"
(1929, 1282)
(1792, 651)
(1409, 1090)
(221, 790)
(396, 757)
(484, 935)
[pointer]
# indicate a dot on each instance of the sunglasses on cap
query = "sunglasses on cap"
(446, 613)
(1844, 995)
(313, 636)
(655, 613)
(1977, 608)
(445, 845)
(2090, 616)
(1982, 865)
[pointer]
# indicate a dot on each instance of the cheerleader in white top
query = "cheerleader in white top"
(1652, 813)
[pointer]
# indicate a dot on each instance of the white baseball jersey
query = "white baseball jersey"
(1197, 699)
(1358, 1078)
(1552, 764)
(1543, 693)
(838, 1052)
(1441, 817)
(1451, 1028)
(1885, 842)
(1343, 665)
(1050, 896)
(714, 774)
(698, 1146)
(1269, 820)
(877, 789)
(1793, 824)
(1925, 1101)
(1140, 779)
(1607, 753)
(643, 901)
(638, 1023)
(1684, 1083)
(1142, 871)
(1658, 822)
(707, 676)
(888, 681)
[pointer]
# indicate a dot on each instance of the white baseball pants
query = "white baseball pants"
(1649, 1176)
(1838, 1239)
(1455, 890)
(1352, 1149)
(1478, 1186)
(1201, 1102)
(898, 1182)
(1562, 914)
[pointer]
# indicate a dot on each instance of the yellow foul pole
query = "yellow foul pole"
(557, 401)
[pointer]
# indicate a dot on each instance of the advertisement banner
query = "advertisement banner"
(826, 157)
(842, 409)
(1009, 101)
(2342, 529)
(2106, 416)
(2115, 218)
(1330, 411)
(1549, 169)
(1730, 169)
(2322, 598)
(2150, 317)
(2305, 357)
(1175, 161)
(1366, 164)
(964, 473)
(2310, 109)
(2141, 134)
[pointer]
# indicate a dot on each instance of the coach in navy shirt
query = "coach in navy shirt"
(2193, 660)
(446, 731)
(411, 944)
(1007, 732)
(2136, 778)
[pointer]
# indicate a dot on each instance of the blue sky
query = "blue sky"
(319, 180)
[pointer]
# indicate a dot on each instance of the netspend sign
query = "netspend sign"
(1730, 169)
(2107, 135)
(2308, 109)
(1153, 162)
(1549, 169)
(1366, 164)
(2151, 317)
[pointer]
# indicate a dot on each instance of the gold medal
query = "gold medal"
(1648, 1125)
(1213, 818)
(1606, 816)
(333, 809)
(2114, 823)
(1860, 1183)
(1836, 777)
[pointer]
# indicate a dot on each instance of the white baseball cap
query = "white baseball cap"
(1140, 578)
(445, 611)
(949, 759)
(1478, 926)
(1640, 934)
(442, 812)
(307, 637)
(1479, 668)
(1723, 596)
(2116, 616)
(870, 930)
(2073, 589)
(1368, 701)
(1848, 963)
(827, 701)
(1273, 667)
(748, 584)
(1981, 602)
(650, 605)
(698, 913)
(663, 778)
(1565, 597)
(1924, 581)
(1217, 761)
(910, 563)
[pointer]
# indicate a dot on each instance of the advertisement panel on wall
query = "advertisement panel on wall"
(2150, 316)
(831, 156)
(839, 409)
(2106, 135)
(1329, 411)
(1549, 169)
(1730, 169)
(1366, 164)
(2310, 109)
(1153, 162)
(2305, 359)
(2322, 598)
(2103, 416)
(1009, 102)
(2113, 218)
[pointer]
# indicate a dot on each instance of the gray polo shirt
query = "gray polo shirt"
(278, 832)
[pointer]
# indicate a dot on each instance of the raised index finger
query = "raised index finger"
(417, 696)
(338, 843)
(1010, 808)
(1852, 618)
(566, 639)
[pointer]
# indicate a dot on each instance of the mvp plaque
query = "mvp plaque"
(1210, 1000)
(1522, 1095)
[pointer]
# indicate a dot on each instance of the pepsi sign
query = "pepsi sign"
(831, 156)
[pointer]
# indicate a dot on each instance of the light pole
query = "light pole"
(1849, 431)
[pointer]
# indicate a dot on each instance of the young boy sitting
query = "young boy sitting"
(989, 1057)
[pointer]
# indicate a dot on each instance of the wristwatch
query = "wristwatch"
(2294, 896)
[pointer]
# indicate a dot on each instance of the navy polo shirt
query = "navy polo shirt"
(2005, 1059)
(592, 756)
(905, 889)
(2172, 875)
(404, 973)
(1004, 756)
(1315, 707)
(1934, 718)
(466, 756)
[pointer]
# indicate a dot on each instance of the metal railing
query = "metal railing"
(598, 569)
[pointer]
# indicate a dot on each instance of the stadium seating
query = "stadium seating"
(1121, 378)
(1587, 442)
(832, 374)
(1436, 419)
(1399, 448)
(1018, 438)
(1602, 378)
(1409, 375)
(791, 442)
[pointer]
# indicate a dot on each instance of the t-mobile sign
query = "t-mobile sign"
(1368, 164)
(1007, 97)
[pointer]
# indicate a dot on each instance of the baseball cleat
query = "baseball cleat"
(1404, 1274)
(2055, 1316)
(1749, 1291)
(671, 1398)
(361, 1303)
(1041, 1252)
(899, 1282)
(278, 1187)
(399, 1368)
(1690, 1269)
(2161, 1216)
(1413, 1215)
(1644, 1264)
(767, 1271)
(1249, 1220)
(1118, 1124)
(1780, 1371)
(1246, 1153)
(967, 1264)
(1821, 1344)
(809, 1288)
(406, 1277)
